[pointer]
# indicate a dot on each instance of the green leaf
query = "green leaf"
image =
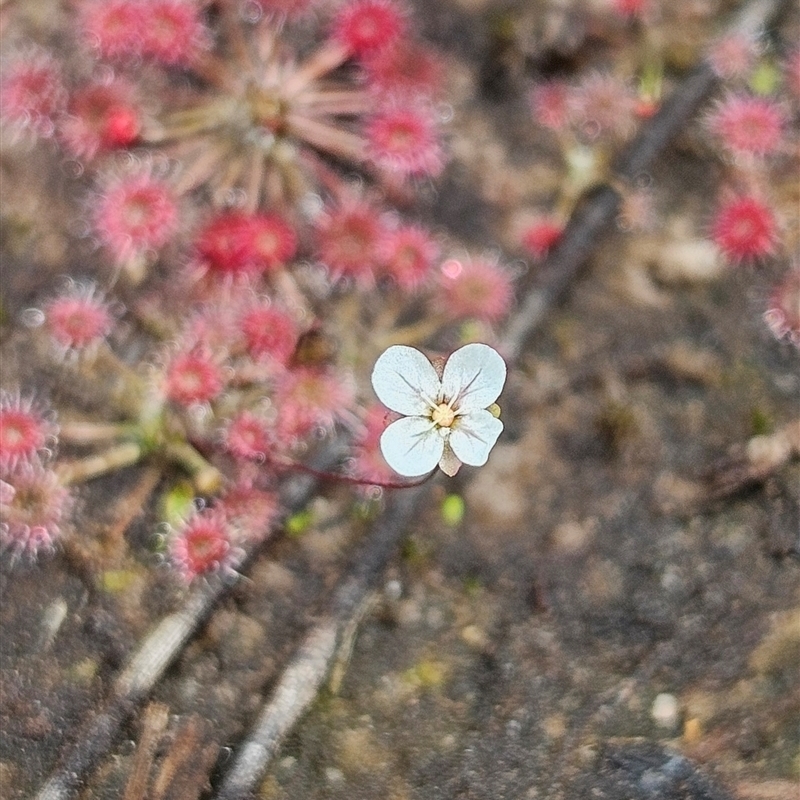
(115, 581)
(299, 523)
(765, 79)
(178, 503)
(452, 509)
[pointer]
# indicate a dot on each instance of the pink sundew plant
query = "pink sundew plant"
(169, 32)
(549, 104)
(224, 245)
(273, 241)
(79, 318)
(748, 125)
(475, 289)
(248, 437)
(269, 333)
(404, 71)
(745, 228)
(32, 93)
(309, 399)
(193, 376)
(112, 27)
(202, 545)
(100, 117)
(237, 244)
(365, 27)
(172, 31)
(250, 125)
(259, 114)
(733, 56)
(25, 430)
(408, 254)
(783, 313)
(348, 240)
(250, 509)
(135, 214)
(32, 511)
(603, 106)
(405, 140)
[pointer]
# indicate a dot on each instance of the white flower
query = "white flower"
(446, 420)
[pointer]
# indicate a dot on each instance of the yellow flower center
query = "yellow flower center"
(443, 415)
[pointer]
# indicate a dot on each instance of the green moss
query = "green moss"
(761, 422)
(115, 581)
(766, 78)
(616, 425)
(473, 586)
(426, 674)
(83, 671)
(452, 510)
(299, 523)
(178, 503)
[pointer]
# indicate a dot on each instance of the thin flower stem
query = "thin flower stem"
(82, 432)
(255, 179)
(192, 121)
(327, 137)
(335, 102)
(215, 72)
(229, 19)
(200, 170)
(326, 59)
(230, 177)
(85, 469)
(413, 334)
(206, 477)
(350, 479)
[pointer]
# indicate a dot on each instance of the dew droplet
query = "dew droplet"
(32, 317)
(445, 112)
(592, 129)
(251, 12)
(71, 168)
(452, 268)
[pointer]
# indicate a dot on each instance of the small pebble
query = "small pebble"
(335, 777)
(393, 590)
(665, 711)
(287, 764)
(688, 261)
(692, 731)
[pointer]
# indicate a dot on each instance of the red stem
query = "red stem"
(337, 476)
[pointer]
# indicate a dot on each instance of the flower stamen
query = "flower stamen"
(443, 415)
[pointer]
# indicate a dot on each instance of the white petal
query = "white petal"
(412, 446)
(473, 377)
(405, 381)
(474, 435)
